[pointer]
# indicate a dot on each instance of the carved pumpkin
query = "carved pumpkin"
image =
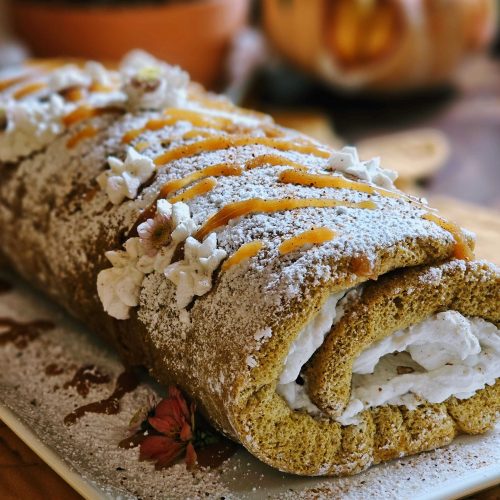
(379, 44)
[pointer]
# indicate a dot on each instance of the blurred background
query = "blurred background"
(416, 82)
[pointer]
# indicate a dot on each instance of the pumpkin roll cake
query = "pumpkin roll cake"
(316, 314)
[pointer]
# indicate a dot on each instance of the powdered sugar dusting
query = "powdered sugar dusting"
(90, 446)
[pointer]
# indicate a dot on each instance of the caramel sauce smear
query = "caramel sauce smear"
(196, 134)
(142, 145)
(126, 382)
(245, 252)
(100, 88)
(314, 236)
(338, 182)
(256, 205)
(85, 377)
(33, 68)
(21, 334)
(225, 170)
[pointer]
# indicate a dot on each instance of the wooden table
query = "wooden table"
(25, 476)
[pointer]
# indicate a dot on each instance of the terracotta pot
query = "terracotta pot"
(382, 44)
(195, 34)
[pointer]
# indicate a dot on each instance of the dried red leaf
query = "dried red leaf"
(171, 431)
(166, 425)
(191, 457)
(153, 447)
(177, 396)
(186, 434)
(170, 456)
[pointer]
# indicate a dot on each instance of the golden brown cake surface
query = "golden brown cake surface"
(237, 173)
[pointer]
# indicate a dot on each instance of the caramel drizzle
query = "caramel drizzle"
(225, 142)
(141, 146)
(219, 170)
(28, 89)
(99, 87)
(132, 134)
(202, 187)
(314, 236)
(85, 112)
(33, 68)
(462, 249)
(228, 106)
(225, 170)
(195, 134)
(338, 182)
(245, 252)
(174, 115)
(273, 131)
(73, 94)
(85, 133)
(274, 160)
(10, 82)
(199, 119)
(332, 181)
(48, 65)
(258, 205)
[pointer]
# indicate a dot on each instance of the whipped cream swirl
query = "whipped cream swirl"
(160, 235)
(150, 84)
(193, 275)
(347, 161)
(30, 125)
(445, 355)
(305, 345)
(124, 178)
(70, 75)
(119, 287)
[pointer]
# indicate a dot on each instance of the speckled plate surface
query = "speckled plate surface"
(34, 402)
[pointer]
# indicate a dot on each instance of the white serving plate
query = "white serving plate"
(86, 455)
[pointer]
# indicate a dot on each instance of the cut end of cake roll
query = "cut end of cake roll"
(446, 317)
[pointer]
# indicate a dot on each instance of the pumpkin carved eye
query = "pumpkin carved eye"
(362, 32)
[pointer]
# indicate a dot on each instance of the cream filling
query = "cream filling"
(445, 355)
(304, 346)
